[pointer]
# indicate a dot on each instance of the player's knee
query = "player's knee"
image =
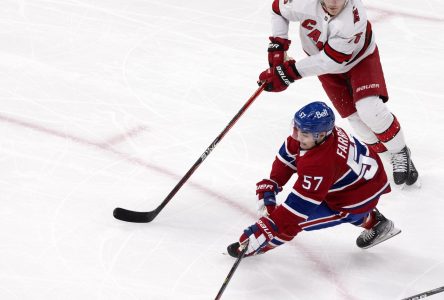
(355, 120)
(374, 113)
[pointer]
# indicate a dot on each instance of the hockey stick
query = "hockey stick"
(233, 268)
(145, 217)
(426, 294)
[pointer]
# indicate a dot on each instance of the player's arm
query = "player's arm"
(346, 42)
(307, 194)
(332, 59)
(281, 15)
(279, 24)
(282, 225)
(283, 168)
(284, 165)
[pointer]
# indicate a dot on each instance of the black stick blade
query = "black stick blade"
(134, 216)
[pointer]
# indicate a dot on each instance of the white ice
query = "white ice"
(109, 103)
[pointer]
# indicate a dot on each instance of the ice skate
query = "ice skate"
(383, 230)
(404, 171)
(412, 177)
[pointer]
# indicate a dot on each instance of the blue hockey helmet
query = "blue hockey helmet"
(315, 117)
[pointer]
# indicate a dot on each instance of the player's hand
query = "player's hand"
(258, 234)
(276, 50)
(277, 79)
(266, 191)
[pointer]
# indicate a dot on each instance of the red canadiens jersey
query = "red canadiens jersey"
(342, 171)
(335, 44)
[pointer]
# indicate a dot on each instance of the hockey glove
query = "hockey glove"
(266, 191)
(277, 79)
(259, 234)
(276, 50)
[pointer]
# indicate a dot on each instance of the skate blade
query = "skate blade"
(417, 184)
(392, 233)
(404, 186)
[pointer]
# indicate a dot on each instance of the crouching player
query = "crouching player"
(339, 180)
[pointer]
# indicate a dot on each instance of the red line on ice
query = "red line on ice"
(124, 136)
(323, 268)
(390, 13)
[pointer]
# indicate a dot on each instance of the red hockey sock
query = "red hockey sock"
(378, 147)
(369, 221)
(390, 132)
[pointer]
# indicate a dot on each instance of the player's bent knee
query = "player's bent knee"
(374, 113)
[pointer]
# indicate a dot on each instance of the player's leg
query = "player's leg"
(365, 133)
(377, 229)
(370, 94)
(339, 91)
(373, 112)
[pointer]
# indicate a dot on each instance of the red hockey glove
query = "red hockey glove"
(277, 79)
(276, 50)
(266, 191)
(259, 234)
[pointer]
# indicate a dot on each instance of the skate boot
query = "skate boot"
(413, 174)
(381, 231)
(404, 170)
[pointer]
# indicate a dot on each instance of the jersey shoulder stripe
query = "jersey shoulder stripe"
(285, 156)
(275, 7)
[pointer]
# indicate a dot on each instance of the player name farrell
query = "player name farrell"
(343, 142)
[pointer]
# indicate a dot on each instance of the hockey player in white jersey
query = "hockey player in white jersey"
(341, 49)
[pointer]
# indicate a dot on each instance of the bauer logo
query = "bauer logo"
(282, 75)
(265, 187)
(266, 229)
(367, 87)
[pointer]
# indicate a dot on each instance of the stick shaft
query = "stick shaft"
(144, 217)
(425, 294)
(230, 274)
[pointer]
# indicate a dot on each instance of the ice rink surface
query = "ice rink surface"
(109, 103)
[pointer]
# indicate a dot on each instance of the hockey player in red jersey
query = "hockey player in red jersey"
(342, 52)
(339, 180)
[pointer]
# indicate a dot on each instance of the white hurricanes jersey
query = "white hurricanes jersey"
(335, 44)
